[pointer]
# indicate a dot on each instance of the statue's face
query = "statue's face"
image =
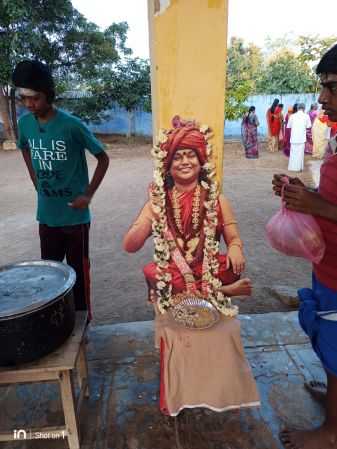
(185, 166)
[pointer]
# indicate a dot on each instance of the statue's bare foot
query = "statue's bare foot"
(320, 438)
(242, 287)
(317, 390)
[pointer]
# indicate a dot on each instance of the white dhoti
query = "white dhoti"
(296, 159)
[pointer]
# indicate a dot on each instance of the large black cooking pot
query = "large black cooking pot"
(37, 312)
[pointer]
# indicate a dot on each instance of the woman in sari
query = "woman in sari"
(274, 126)
(249, 126)
(287, 132)
(312, 115)
(187, 217)
(281, 133)
(320, 134)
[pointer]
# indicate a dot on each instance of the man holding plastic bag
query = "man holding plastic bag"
(318, 309)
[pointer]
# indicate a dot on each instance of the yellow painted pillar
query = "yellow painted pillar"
(188, 41)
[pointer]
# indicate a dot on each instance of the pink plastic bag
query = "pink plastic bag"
(295, 234)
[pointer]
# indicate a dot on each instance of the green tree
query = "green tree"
(288, 66)
(312, 48)
(243, 65)
(132, 86)
(283, 73)
(127, 84)
(235, 106)
(288, 41)
(57, 34)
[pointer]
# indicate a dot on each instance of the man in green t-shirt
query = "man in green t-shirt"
(53, 146)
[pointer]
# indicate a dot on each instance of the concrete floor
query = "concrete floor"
(122, 410)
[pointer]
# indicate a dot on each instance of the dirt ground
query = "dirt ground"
(117, 283)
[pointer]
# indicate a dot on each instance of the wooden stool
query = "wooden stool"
(57, 366)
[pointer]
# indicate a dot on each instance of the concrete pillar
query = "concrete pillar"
(188, 65)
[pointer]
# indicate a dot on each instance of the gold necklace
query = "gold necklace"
(195, 208)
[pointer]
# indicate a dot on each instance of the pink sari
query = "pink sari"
(309, 143)
(287, 133)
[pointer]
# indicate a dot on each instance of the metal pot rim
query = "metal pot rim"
(49, 299)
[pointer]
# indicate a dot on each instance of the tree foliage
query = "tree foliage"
(52, 31)
(312, 48)
(131, 84)
(56, 33)
(127, 84)
(243, 63)
(287, 41)
(285, 73)
(235, 106)
(287, 65)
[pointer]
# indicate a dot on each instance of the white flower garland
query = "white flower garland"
(164, 245)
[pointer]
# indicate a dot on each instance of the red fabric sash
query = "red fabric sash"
(186, 206)
(162, 399)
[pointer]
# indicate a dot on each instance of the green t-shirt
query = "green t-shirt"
(58, 157)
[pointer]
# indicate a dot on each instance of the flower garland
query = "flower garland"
(166, 248)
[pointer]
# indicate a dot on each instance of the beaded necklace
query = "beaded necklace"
(195, 208)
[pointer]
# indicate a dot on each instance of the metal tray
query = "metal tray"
(195, 303)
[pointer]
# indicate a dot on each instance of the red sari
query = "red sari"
(226, 276)
(274, 121)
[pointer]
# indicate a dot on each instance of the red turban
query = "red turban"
(185, 137)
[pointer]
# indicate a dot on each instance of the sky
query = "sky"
(253, 20)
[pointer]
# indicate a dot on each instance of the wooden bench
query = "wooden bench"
(57, 366)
